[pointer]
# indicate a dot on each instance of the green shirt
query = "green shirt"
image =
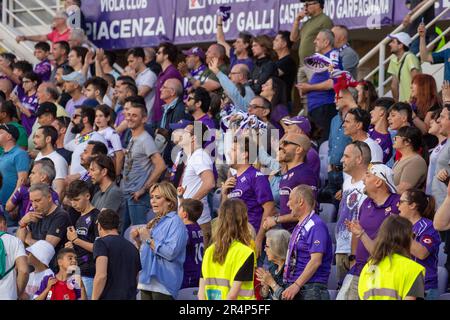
(308, 33)
(411, 63)
(23, 140)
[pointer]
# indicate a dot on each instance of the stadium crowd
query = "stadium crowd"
(178, 179)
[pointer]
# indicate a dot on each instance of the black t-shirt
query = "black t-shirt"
(289, 68)
(66, 154)
(86, 231)
(54, 224)
(63, 99)
(124, 265)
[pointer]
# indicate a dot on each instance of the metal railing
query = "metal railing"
(381, 47)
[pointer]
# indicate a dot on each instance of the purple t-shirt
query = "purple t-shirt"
(44, 70)
(309, 236)
(194, 256)
(313, 161)
(384, 141)
(72, 104)
(253, 188)
(301, 174)
(427, 236)
(170, 73)
(371, 216)
(31, 104)
(234, 61)
(21, 197)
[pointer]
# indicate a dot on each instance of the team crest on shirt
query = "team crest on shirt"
(243, 179)
(291, 175)
(88, 220)
(427, 240)
(387, 211)
(57, 230)
(378, 140)
(317, 242)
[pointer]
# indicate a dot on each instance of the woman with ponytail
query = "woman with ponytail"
(418, 208)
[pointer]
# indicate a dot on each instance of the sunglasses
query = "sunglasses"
(287, 142)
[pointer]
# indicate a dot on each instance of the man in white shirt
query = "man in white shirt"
(145, 78)
(196, 178)
(356, 125)
(79, 133)
(13, 285)
(45, 140)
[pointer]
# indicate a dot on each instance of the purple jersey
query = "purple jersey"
(384, 141)
(31, 104)
(44, 70)
(313, 161)
(371, 216)
(301, 174)
(309, 236)
(427, 236)
(21, 198)
(253, 188)
(194, 256)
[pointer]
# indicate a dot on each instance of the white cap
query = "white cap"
(43, 251)
(402, 37)
(384, 173)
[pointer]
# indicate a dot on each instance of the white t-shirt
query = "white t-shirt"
(113, 140)
(34, 282)
(14, 249)
(61, 166)
(77, 146)
(196, 164)
(147, 78)
(375, 150)
(352, 198)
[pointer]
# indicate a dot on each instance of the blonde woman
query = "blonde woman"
(229, 263)
(162, 245)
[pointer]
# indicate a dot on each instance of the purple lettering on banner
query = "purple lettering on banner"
(122, 24)
(196, 20)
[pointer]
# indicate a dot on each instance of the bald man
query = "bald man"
(349, 57)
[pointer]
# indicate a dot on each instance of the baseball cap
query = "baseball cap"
(180, 124)
(12, 130)
(46, 107)
(384, 173)
(92, 103)
(195, 51)
(302, 122)
(42, 250)
(75, 76)
(402, 37)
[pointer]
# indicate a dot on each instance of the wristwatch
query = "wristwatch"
(351, 257)
(276, 219)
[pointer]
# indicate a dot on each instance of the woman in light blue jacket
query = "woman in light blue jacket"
(162, 245)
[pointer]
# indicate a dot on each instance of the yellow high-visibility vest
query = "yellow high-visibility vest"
(219, 278)
(391, 279)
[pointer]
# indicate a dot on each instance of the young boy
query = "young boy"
(39, 256)
(60, 287)
(379, 126)
(43, 69)
(82, 236)
(189, 211)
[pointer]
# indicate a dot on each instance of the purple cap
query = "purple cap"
(195, 51)
(302, 122)
(180, 124)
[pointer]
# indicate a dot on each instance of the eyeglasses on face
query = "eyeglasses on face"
(287, 142)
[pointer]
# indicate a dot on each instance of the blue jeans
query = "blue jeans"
(137, 210)
(88, 285)
(432, 294)
(313, 291)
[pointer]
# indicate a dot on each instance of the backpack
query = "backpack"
(3, 271)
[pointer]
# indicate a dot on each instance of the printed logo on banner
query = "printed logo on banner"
(197, 4)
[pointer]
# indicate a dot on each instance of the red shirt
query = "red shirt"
(60, 291)
(55, 36)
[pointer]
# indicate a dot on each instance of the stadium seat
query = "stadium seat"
(331, 229)
(323, 155)
(333, 294)
(327, 212)
(442, 255)
(188, 294)
(445, 296)
(442, 280)
(332, 280)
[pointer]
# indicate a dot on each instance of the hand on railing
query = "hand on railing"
(20, 38)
